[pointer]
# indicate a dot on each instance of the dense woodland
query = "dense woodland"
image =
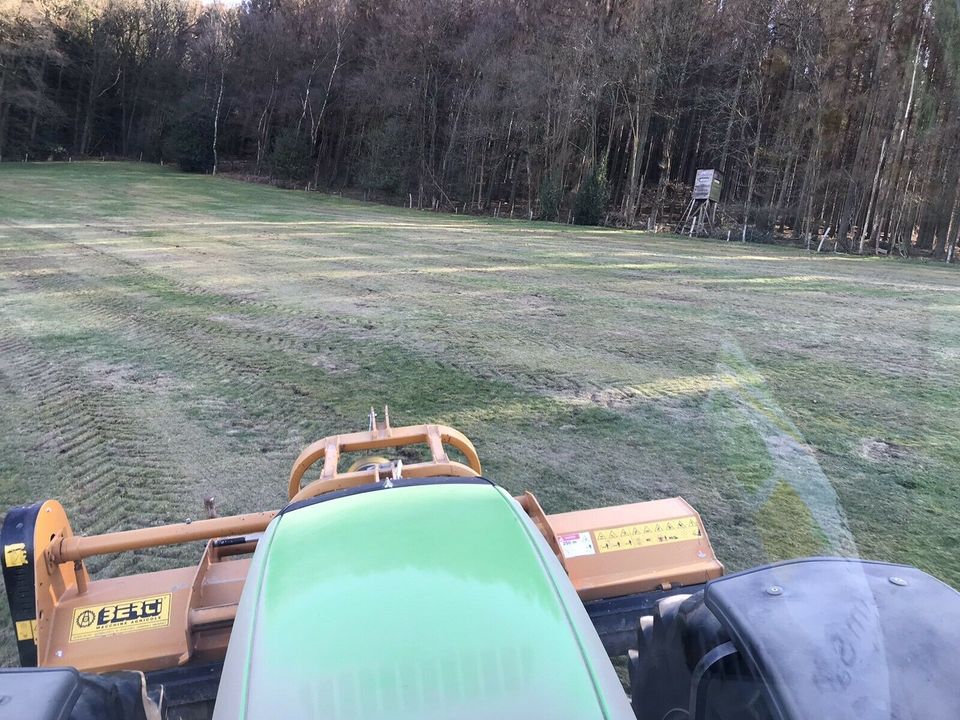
(834, 122)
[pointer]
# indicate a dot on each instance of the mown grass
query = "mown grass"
(166, 337)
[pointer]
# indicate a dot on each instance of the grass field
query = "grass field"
(165, 337)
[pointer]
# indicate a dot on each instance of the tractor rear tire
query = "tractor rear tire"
(670, 643)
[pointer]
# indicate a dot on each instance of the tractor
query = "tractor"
(424, 590)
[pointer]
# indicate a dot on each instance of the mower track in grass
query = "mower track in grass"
(166, 338)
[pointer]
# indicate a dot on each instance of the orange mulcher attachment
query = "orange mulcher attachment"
(160, 620)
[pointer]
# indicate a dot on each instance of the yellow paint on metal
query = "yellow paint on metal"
(26, 629)
(631, 537)
(15, 555)
(126, 616)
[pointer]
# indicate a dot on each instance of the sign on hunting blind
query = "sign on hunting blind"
(707, 185)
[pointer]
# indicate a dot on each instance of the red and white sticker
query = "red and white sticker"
(576, 544)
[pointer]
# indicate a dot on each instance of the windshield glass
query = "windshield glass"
(679, 277)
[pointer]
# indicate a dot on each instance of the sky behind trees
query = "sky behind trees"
(822, 115)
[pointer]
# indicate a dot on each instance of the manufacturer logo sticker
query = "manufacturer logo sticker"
(126, 616)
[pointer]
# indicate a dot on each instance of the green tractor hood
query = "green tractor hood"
(427, 599)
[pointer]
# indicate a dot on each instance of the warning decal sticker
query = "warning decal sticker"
(576, 544)
(631, 537)
(26, 629)
(126, 616)
(15, 555)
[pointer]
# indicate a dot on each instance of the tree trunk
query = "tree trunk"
(864, 236)
(216, 119)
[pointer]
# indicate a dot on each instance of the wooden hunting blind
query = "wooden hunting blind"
(701, 213)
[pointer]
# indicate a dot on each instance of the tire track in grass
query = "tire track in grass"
(267, 386)
(109, 473)
(555, 352)
(176, 326)
(207, 329)
(104, 472)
